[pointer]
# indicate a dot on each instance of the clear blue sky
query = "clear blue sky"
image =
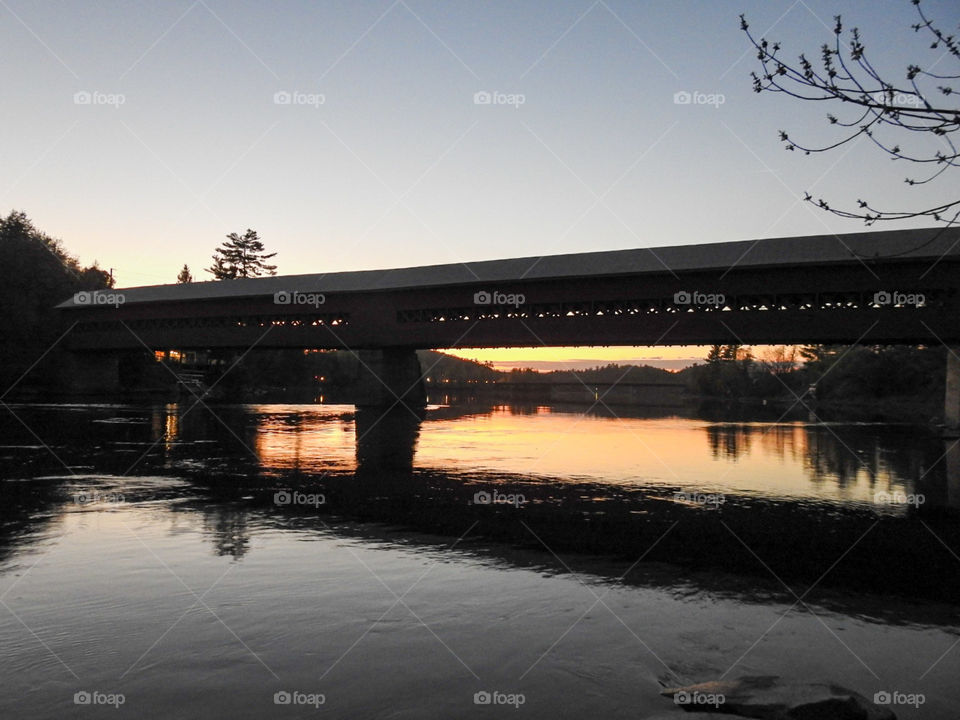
(398, 165)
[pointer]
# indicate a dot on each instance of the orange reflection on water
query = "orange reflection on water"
(308, 438)
(786, 460)
(773, 460)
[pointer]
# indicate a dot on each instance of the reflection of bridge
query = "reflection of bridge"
(859, 287)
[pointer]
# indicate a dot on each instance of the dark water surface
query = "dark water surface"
(197, 561)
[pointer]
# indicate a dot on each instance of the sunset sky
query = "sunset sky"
(546, 359)
(350, 137)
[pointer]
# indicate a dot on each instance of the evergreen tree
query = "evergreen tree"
(730, 352)
(185, 275)
(241, 257)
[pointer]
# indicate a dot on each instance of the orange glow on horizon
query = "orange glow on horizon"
(545, 359)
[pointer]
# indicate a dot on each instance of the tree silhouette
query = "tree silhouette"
(241, 257)
(36, 273)
(920, 106)
(185, 275)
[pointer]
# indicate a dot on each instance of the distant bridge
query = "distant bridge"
(899, 286)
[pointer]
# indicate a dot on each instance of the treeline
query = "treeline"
(841, 373)
(328, 372)
(858, 374)
(601, 374)
(439, 368)
(36, 274)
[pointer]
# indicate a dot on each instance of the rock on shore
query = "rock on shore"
(769, 696)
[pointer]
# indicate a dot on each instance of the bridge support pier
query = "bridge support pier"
(951, 455)
(951, 399)
(90, 373)
(390, 376)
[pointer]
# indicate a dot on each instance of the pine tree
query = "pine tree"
(241, 257)
(715, 354)
(185, 275)
(730, 352)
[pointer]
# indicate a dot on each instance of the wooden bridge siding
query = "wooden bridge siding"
(373, 316)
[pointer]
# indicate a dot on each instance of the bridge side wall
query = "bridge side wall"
(783, 305)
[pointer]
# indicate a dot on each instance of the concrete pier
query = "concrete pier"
(90, 372)
(390, 376)
(951, 399)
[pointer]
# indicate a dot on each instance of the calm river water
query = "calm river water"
(296, 561)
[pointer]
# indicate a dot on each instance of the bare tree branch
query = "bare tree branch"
(921, 103)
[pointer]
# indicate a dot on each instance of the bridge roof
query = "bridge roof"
(892, 245)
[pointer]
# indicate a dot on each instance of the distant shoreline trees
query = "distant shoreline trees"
(840, 373)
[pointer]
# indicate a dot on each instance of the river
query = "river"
(252, 561)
